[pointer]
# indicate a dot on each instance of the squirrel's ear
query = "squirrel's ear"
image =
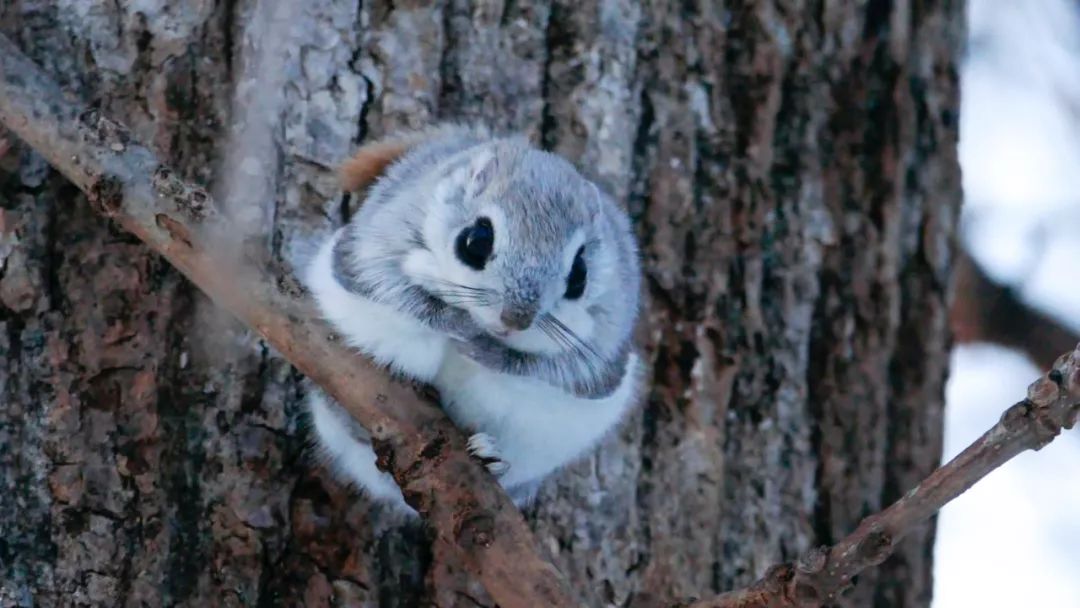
(371, 161)
(482, 170)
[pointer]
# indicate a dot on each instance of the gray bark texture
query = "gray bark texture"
(790, 166)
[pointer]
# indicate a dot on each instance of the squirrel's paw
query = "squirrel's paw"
(482, 446)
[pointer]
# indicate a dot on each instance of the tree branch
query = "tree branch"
(985, 311)
(413, 439)
(1052, 404)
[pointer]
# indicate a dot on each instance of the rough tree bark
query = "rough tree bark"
(791, 168)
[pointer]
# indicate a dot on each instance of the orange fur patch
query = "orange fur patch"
(370, 162)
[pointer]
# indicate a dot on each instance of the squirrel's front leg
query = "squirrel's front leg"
(575, 373)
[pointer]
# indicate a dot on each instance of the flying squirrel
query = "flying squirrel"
(497, 273)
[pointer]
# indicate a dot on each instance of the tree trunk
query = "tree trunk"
(791, 168)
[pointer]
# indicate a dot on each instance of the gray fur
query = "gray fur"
(582, 375)
(422, 305)
(545, 201)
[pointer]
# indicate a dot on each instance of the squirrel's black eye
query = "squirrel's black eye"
(575, 281)
(473, 245)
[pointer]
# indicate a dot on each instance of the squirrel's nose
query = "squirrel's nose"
(517, 318)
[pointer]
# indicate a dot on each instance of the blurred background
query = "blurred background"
(1014, 540)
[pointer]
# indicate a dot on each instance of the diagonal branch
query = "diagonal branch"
(414, 439)
(1052, 404)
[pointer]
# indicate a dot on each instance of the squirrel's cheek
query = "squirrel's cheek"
(420, 265)
(575, 315)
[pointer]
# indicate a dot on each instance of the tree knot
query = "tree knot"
(177, 231)
(193, 202)
(476, 530)
(876, 547)
(106, 195)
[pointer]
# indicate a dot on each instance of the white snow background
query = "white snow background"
(1014, 539)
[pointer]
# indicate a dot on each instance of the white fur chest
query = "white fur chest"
(537, 427)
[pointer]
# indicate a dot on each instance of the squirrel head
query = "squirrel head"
(523, 242)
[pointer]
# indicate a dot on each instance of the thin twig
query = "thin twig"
(1052, 404)
(414, 439)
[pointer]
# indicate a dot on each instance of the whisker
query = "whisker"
(550, 328)
(573, 335)
(463, 298)
(562, 334)
(458, 285)
(456, 293)
(470, 294)
(588, 358)
(552, 332)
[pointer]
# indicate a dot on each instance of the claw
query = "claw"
(482, 446)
